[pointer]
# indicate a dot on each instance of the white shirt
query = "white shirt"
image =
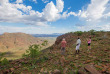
(78, 41)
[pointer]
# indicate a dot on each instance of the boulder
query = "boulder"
(81, 71)
(56, 71)
(91, 69)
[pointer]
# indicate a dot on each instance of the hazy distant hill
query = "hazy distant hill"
(17, 40)
(47, 35)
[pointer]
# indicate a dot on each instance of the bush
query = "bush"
(70, 32)
(92, 32)
(4, 62)
(102, 31)
(1, 56)
(45, 43)
(79, 33)
(33, 51)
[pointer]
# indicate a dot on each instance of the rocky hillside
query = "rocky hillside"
(95, 61)
(17, 40)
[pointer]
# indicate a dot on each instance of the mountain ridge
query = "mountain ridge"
(13, 40)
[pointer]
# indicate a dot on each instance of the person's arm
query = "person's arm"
(77, 43)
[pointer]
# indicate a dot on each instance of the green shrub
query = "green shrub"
(79, 33)
(45, 43)
(92, 32)
(33, 51)
(1, 56)
(70, 32)
(4, 62)
(102, 31)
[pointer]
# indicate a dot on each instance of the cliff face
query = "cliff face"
(16, 40)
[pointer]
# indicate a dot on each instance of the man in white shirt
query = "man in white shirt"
(78, 45)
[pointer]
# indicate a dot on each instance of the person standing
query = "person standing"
(78, 43)
(89, 43)
(63, 46)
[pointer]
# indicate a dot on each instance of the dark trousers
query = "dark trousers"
(63, 50)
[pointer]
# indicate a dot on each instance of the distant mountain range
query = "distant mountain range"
(47, 35)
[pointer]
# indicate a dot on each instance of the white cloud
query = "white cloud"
(11, 29)
(31, 29)
(45, 1)
(69, 8)
(105, 27)
(19, 1)
(2, 2)
(95, 16)
(60, 5)
(66, 14)
(95, 10)
(18, 12)
(50, 12)
(35, 1)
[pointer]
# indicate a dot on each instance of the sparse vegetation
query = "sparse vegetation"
(92, 32)
(45, 43)
(51, 60)
(33, 51)
(3, 61)
(79, 33)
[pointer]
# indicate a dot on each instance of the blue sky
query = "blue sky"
(53, 16)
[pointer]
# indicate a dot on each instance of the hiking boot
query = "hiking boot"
(78, 51)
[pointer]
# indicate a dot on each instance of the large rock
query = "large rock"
(56, 71)
(81, 71)
(91, 69)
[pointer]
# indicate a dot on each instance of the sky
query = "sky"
(54, 16)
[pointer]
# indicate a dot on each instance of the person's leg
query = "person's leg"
(63, 50)
(88, 47)
(76, 49)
